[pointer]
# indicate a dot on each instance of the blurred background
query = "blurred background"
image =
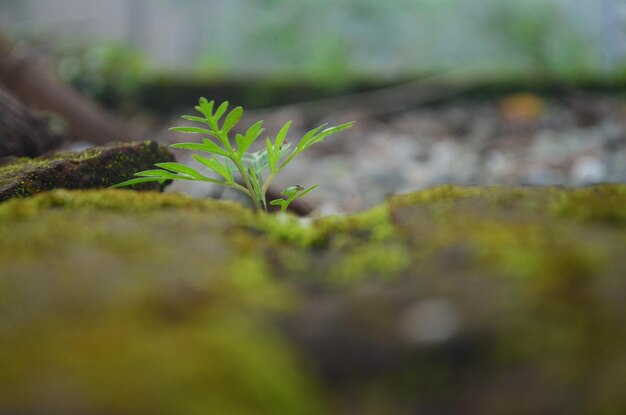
(493, 92)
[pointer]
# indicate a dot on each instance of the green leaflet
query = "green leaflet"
(220, 111)
(218, 167)
(163, 174)
(282, 134)
(194, 118)
(232, 119)
(139, 180)
(181, 168)
(207, 146)
(206, 107)
(245, 141)
(193, 130)
(292, 193)
(308, 140)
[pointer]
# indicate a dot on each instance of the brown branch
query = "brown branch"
(27, 76)
(23, 132)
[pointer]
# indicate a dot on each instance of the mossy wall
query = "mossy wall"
(450, 300)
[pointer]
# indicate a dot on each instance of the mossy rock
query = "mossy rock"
(451, 300)
(97, 167)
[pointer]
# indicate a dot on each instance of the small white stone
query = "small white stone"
(588, 170)
(434, 320)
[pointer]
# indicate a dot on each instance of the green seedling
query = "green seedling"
(235, 167)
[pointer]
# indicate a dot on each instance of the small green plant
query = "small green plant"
(250, 173)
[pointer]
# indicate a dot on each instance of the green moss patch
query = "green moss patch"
(99, 167)
(139, 302)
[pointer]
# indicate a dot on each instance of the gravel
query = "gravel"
(523, 139)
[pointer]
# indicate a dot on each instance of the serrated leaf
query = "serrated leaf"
(292, 193)
(220, 111)
(281, 152)
(255, 180)
(291, 190)
(193, 130)
(205, 107)
(271, 155)
(217, 166)
(137, 181)
(214, 147)
(258, 160)
(319, 137)
(194, 118)
(305, 192)
(245, 141)
(232, 118)
(153, 172)
(284, 149)
(164, 174)
(280, 137)
(207, 146)
(228, 162)
(308, 136)
(240, 140)
(255, 130)
(180, 168)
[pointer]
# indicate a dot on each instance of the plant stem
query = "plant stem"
(242, 171)
(239, 187)
(246, 179)
(288, 160)
(266, 185)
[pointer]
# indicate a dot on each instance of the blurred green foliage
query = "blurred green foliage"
(336, 42)
(111, 73)
(321, 41)
(334, 45)
(540, 40)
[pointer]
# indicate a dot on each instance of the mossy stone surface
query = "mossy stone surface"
(450, 300)
(98, 167)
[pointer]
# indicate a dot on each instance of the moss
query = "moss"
(93, 168)
(182, 313)
(127, 201)
(348, 249)
(25, 165)
(507, 228)
(369, 261)
(224, 363)
(547, 242)
(604, 204)
(140, 302)
(439, 194)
